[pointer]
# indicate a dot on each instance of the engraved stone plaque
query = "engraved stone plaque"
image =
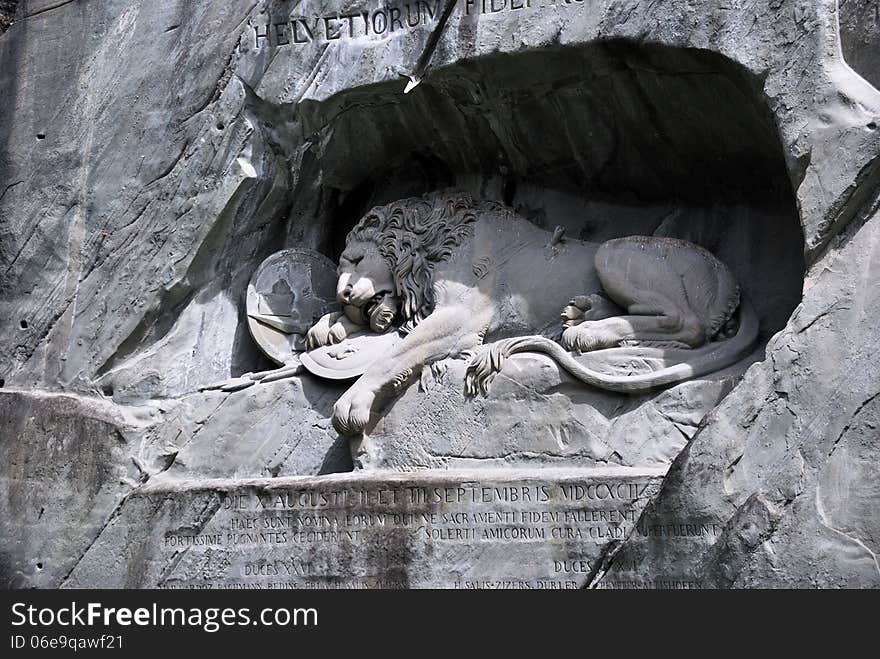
(457, 529)
(519, 263)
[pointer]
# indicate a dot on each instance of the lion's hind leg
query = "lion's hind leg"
(646, 277)
(662, 319)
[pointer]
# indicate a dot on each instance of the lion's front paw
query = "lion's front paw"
(325, 332)
(480, 372)
(584, 308)
(338, 332)
(318, 336)
(351, 414)
(573, 313)
(570, 338)
(486, 362)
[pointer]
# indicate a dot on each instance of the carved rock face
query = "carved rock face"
(200, 139)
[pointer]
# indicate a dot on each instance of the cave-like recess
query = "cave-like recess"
(608, 139)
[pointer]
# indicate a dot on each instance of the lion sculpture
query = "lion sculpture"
(455, 272)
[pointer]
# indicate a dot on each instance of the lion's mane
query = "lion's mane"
(413, 235)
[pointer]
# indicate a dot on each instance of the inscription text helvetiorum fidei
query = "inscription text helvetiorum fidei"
(381, 22)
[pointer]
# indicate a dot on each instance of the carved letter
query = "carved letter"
(409, 15)
(395, 18)
(258, 36)
(383, 23)
(296, 36)
(281, 38)
(350, 19)
(327, 28)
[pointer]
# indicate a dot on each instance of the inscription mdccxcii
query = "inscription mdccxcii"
(536, 535)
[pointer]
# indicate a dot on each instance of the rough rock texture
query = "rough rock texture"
(277, 429)
(788, 462)
(66, 469)
(153, 154)
(860, 37)
(7, 13)
(536, 415)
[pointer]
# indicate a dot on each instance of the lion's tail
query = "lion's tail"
(710, 358)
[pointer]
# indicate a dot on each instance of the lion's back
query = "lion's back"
(531, 279)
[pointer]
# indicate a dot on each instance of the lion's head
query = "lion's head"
(365, 286)
(390, 255)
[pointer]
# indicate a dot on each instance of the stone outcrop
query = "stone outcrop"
(153, 154)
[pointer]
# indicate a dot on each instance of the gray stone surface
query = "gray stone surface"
(7, 14)
(153, 154)
(788, 464)
(66, 469)
(278, 428)
(537, 415)
(510, 529)
(860, 37)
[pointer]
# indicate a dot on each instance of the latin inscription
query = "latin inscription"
(657, 584)
(381, 22)
(539, 535)
(535, 535)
